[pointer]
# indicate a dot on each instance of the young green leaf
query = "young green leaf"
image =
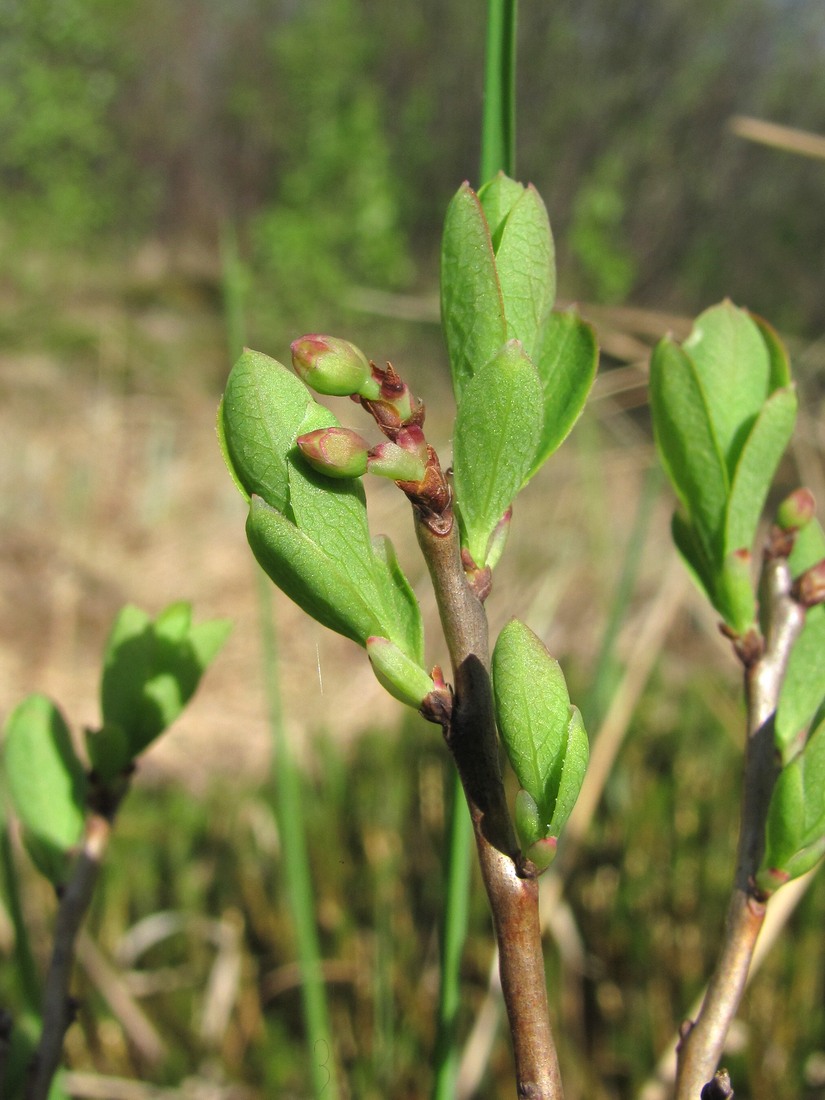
(472, 308)
(734, 367)
(333, 515)
(525, 263)
(566, 362)
(694, 554)
(779, 374)
(687, 443)
(733, 592)
(756, 467)
(46, 783)
(497, 431)
(152, 669)
(795, 833)
(542, 733)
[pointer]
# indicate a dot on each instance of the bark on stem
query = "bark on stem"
(58, 1009)
(701, 1048)
(511, 886)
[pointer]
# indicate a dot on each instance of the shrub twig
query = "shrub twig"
(58, 1006)
(702, 1043)
(510, 881)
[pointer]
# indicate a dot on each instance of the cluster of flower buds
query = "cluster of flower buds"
(792, 516)
(337, 368)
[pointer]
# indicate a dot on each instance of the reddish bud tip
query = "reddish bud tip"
(809, 587)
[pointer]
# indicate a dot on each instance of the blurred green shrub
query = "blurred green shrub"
(64, 172)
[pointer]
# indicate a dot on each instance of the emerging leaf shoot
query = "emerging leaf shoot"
(542, 734)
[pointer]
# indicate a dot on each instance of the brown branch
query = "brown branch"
(703, 1041)
(58, 1008)
(511, 886)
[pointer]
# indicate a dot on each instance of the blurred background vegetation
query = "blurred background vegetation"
(140, 142)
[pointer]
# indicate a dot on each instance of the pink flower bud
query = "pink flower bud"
(334, 367)
(336, 452)
(796, 510)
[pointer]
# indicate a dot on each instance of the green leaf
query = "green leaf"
(694, 554)
(403, 611)
(472, 308)
(780, 365)
(734, 367)
(566, 363)
(333, 514)
(756, 467)
(795, 833)
(152, 669)
(497, 431)
(46, 783)
(687, 443)
(263, 407)
(803, 688)
(541, 732)
(733, 593)
(525, 262)
(310, 577)
(110, 752)
(808, 548)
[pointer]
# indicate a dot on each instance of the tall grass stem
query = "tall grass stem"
(498, 125)
(453, 936)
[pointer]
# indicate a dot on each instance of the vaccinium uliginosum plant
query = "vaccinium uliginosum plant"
(65, 809)
(521, 374)
(723, 411)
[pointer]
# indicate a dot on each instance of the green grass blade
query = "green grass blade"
(453, 935)
(290, 817)
(498, 126)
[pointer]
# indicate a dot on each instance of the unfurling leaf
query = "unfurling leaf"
(46, 783)
(541, 731)
(151, 669)
(723, 412)
(524, 257)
